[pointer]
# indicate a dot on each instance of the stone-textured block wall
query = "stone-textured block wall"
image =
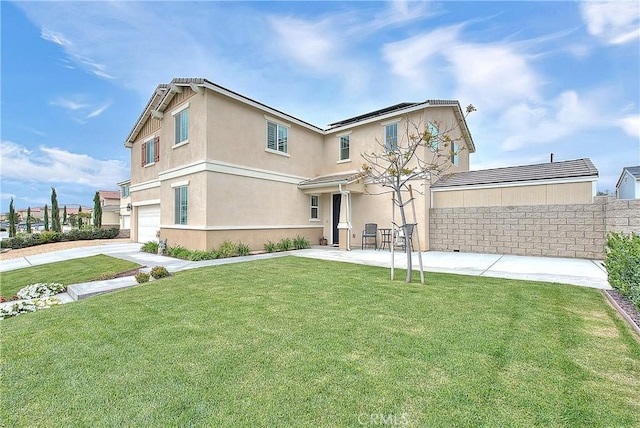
(576, 230)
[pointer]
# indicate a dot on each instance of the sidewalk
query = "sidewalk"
(588, 273)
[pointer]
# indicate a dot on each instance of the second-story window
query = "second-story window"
(124, 191)
(391, 136)
(182, 126)
(344, 147)
(277, 137)
(433, 132)
(151, 151)
(454, 153)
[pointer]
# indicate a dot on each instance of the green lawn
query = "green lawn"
(68, 272)
(298, 342)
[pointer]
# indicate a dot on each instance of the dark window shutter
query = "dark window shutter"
(144, 154)
(156, 149)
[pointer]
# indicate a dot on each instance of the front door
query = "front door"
(337, 199)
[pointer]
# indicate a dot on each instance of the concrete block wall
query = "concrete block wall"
(575, 230)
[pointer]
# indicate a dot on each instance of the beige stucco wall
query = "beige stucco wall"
(240, 191)
(545, 194)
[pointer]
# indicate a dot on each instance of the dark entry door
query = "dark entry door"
(337, 199)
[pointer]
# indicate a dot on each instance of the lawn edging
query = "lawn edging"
(621, 311)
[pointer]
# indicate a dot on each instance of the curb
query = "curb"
(617, 307)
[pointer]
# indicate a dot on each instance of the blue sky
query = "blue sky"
(559, 77)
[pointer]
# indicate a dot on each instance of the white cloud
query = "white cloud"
(80, 109)
(53, 165)
(614, 22)
(631, 126)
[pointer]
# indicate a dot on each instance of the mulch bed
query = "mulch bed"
(130, 272)
(625, 305)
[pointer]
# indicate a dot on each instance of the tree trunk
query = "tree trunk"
(407, 242)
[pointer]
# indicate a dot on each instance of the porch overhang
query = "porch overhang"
(350, 181)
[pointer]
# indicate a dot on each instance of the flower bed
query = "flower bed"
(32, 298)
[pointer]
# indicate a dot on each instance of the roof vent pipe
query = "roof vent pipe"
(551, 158)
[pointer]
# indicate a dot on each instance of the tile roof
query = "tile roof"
(109, 194)
(546, 171)
(342, 178)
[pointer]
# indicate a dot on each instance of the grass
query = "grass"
(68, 272)
(298, 342)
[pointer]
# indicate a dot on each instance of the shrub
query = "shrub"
(243, 249)
(36, 291)
(105, 276)
(285, 244)
(227, 249)
(198, 255)
(150, 247)
(179, 252)
(50, 236)
(27, 306)
(142, 277)
(300, 243)
(158, 272)
(623, 265)
(270, 247)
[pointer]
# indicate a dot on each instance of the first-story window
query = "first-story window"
(181, 203)
(277, 136)
(454, 154)
(344, 147)
(315, 207)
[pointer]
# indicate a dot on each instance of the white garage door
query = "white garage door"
(148, 223)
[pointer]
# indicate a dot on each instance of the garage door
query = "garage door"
(148, 222)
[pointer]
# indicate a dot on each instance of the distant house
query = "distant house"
(566, 182)
(628, 185)
(125, 204)
(110, 203)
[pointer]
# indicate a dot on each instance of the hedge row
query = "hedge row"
(29, 240)
(623, 265)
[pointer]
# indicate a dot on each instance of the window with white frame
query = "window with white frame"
(277, 137)
(181, 120)
(181, 204)
(454, 153)
(124, 190)
(315, 207)
(433, 132)
(344, 147)
(391, 136)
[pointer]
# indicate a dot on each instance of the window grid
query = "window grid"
(344, 147)
(391, 136)
(277, 136)
(433, 130)
(181, 204)
(315, 207)
(182, 126)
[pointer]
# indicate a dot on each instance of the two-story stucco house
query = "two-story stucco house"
(209, 164)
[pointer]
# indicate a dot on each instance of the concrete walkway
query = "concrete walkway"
(588, 273)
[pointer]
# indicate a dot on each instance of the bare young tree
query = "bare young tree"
(424, 152)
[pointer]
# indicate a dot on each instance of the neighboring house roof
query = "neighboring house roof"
(578, 168)
(330, 180)
(109, 194)
(164, 93)
(633, 170)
